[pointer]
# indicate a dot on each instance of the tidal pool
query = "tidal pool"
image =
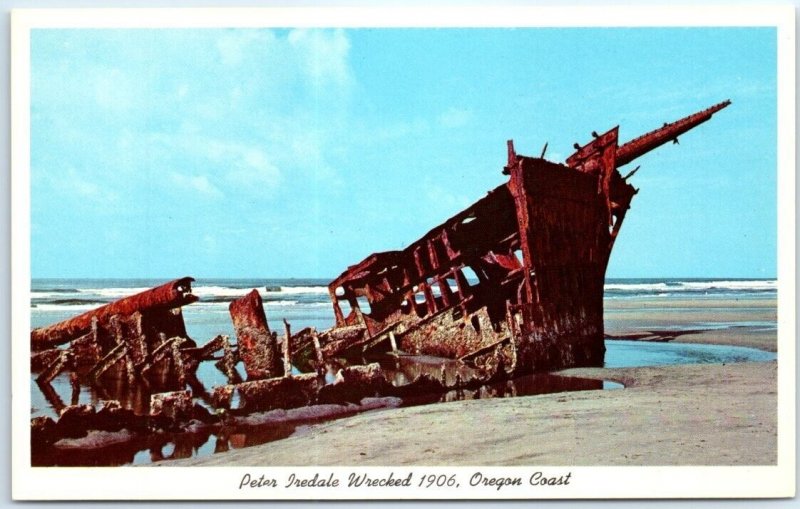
(632, 354)
(218, 438)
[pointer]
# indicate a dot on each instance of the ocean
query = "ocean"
(305, 302)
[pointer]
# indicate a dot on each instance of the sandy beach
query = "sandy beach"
(709, 414)
(738, 322)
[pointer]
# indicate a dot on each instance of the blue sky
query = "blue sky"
(295, 153)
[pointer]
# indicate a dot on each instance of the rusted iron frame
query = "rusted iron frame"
(520, 195)
(442, 273)
(206, 352)
(256, 344)
(370, 340)
(179, 369)
(170, 295)
(287, 349)
(227, 364)
(425, 267)
(54, 368)
(112, 357)
(318, 354)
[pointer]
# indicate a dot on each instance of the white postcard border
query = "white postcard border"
(224, 483)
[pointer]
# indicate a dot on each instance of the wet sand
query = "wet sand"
(627, 318)
(671, 415)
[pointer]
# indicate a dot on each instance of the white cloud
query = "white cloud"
(79, 186)
(237, 111)
(399, 130)
(235, 45)
(324, 56)
(455, 117)
(317, 57)
(255, 158)
(210, 244)
(309, 149)
(195, 184)
(112, 89)
(246, 165)
(74, 184)
(443, 201)
(220, 165)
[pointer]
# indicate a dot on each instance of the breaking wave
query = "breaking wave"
(113, 293)
(73, 309)
(316, 290)
(676, 288)
(69, 302)
(78, 295)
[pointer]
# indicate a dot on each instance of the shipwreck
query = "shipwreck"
(511, 285)
(537, 248)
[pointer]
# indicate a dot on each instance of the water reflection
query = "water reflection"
(630, 354)
(48, 399)
(403, 370)
(137, 449)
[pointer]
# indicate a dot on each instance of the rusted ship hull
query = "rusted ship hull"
(566, 243)
(537, 248)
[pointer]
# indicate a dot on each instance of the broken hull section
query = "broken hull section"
(537, 248)
(536, 251)
(567, 240)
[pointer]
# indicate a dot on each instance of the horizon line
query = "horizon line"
(171, 278)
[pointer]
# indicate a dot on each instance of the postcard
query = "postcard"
(403, 253)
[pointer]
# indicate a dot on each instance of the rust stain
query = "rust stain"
(257, 345)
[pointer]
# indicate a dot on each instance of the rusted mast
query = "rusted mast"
(170, 295)
(602, 156)
(669, 132)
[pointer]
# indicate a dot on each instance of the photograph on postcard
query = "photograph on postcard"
(439, 246)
